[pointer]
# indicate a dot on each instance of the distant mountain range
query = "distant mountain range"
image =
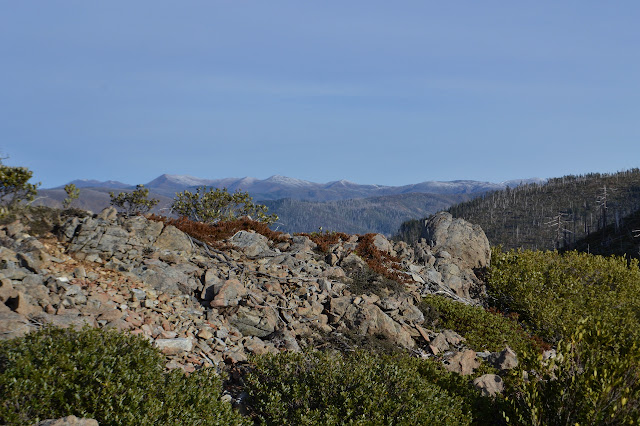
(303, 206)
(278, 187)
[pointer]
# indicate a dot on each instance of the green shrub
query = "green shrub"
(482, 329)
(115, 378)
(213, 205)
(72, 192)
(592, 380)
(553, 292)
(134, 202)
(588, 305)
(317, 388)
(15, 186)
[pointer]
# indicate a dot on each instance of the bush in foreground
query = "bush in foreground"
(115, 378)
(588, 306)
(316, 388)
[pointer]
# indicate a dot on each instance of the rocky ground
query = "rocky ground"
(205, 306)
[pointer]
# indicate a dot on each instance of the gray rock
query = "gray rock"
(489, 384)
(66, 320)
(255, 322)
(212, 284)
(251, 243)
(463, 362)
(325, 284)
(464, 241)
(504, 360)
(382, 244)
(68, 421)
(12, 325)
(108, 214)
(173, 239)
(229, 293)
(369, 319)
(174, 346)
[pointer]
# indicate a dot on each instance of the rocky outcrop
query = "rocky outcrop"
(203, 306)
(465, 242)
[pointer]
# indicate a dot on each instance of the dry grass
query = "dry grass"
(324, 240)
(215, 234)
(379, 261)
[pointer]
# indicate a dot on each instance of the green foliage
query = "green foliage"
(367, 281)
(213, 205)
(317, 388)
(589, 305)
(112, 377)
(72, 194)
(15, 186)
(483, 330)
(134, 202)
(594, 379)
(550, 290)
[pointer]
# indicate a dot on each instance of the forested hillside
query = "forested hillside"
(359, 216)
(557, 215)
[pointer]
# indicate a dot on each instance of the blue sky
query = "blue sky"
(370, 91)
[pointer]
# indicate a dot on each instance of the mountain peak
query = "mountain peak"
(284, 180)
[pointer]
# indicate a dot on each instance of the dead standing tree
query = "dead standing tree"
(603, 203)
(557, 223)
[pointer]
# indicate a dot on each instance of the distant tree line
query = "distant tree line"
(558, 214)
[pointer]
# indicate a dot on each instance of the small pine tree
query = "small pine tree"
(15, 186)
(135, 202)
(73, 193)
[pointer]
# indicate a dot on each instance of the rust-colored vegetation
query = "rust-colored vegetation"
(324, 240)
(379, 261)
(215, 234)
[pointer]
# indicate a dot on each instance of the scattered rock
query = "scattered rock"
(463, 362)
(229, 294)
(504, 360)
(252, 244)
(489, 384)
(68, 421)
(174, 346)
(201, 307)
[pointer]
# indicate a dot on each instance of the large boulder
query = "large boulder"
(369, 320)
(466, 243)
(253, 244)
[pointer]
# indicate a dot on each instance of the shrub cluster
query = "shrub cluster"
(482, 329)
(115, 378)
(134, 202)
(213, 205)
(316, 388)
(588, 305)
(15, 186)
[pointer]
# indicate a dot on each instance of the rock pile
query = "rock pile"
(203, 306)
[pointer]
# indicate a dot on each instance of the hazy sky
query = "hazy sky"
(369, 91)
